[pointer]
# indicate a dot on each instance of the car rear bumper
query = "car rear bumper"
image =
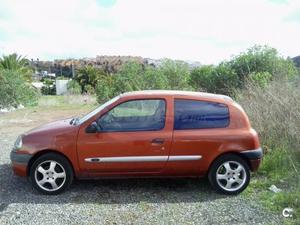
(19, 163)
(254, 157)
(253, 154)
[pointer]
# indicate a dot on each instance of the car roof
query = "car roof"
(184, 94)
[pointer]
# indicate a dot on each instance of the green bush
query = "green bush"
(49, 87)
(262, 59)
(260, 64)
(89, 89)
(134, 76)
(106, 88)
(175, 73)
(14, 91)
(130, 78)
(73, 87)
(261, 78)
(154, 79)
(219, 79)
(88, 77)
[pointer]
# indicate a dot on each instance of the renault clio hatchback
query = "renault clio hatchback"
(144, 134)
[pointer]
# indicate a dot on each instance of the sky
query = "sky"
(207, 31)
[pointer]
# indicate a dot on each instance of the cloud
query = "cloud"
(294, 17)
(280, 1)
(106, 3)
(208, 31)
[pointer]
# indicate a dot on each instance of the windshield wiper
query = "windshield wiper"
(74, 121)
(71, 121)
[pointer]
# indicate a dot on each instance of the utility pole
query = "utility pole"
(73, 71)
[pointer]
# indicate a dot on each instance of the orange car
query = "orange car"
(144, 134)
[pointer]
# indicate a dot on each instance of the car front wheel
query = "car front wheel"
(51, 174)
(229, 174)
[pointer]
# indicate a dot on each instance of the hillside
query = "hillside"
(297, 60)
(110, 64)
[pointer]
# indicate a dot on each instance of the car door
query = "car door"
(199, 128)
(135, 137)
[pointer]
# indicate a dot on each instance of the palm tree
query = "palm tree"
(88, 75)
(16, 63)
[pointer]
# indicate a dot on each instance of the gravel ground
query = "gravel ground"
(152, 201)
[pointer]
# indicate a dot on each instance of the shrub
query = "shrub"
(261, 78)
(89, 89)
(134, 76)
(219, 79)
(49, 87)
(130, 78)
(275, 113)
(154, 79)
(106, 88)
(14, 91)
(262, 59)
(73, 87)
(87, 77)
(260, 64)
(201, 77)
(176, 73)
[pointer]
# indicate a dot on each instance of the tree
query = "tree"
(130, 77)
(201, 77)
(88, 76)
(154, 79)
(176, 73)
(16, 63)
(106, 88)
(262, 59)
(14, 91)
(216, 79)
(259, 64)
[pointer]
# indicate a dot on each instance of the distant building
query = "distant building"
(37, 85)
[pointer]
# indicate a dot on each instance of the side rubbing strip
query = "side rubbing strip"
(184, 157)
(144, 158)
(130, 159)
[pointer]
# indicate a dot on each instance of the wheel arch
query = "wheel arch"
(230, 153)
(43, 152)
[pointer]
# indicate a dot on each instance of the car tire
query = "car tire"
(229, 174)
(51, 174)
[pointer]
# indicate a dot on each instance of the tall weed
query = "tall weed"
(275, 113)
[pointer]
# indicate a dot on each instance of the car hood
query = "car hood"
(52, 127)
(59, 135)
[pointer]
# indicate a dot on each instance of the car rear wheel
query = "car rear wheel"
(229, 174)
(51, 174)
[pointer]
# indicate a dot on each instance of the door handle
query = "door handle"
(159, 141)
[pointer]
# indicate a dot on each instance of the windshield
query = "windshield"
(95, 111)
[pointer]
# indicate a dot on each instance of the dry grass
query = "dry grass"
(275, 113)
(54, 100)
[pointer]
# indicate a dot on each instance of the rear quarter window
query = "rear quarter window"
(194, 114)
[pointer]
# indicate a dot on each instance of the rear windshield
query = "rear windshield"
(192, 114)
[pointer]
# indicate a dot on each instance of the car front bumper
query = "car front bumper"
(20, 162)
(254, 157)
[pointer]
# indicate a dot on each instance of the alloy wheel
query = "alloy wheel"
(231, 176)
(50, 175)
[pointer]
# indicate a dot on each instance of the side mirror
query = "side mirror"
(93, 128)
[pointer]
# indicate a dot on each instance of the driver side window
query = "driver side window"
(135, 115)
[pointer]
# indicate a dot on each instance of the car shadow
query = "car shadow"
(15, 189)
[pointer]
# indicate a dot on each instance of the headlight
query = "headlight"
(18, 143)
